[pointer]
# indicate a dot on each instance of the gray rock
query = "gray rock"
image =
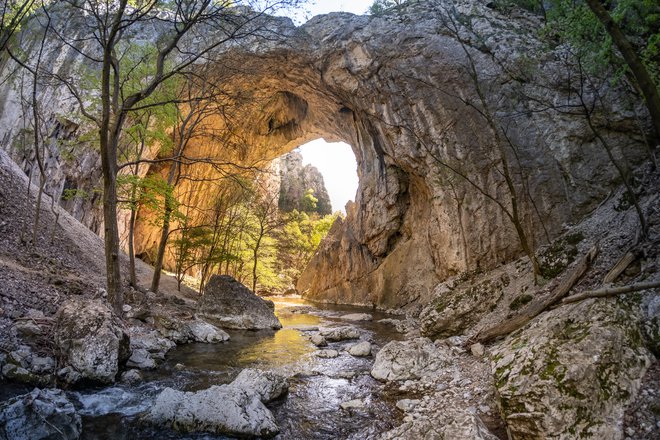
(131, 377)
(39, 415)
(42, 364)
(360, 349)
(452, 424)
(327, 354)
(267, 384)
(229, 304)
(182, 331)
(336, 334)
(91, 339)
(357, 317)
(204, 332)
(404, 360)
(407, 405)
(477, 350)
(221, 409)
(573, 370)
(318, 340)
(69, 375)
(28, 330)
(156, 345)
(141, 359)
(353, 404)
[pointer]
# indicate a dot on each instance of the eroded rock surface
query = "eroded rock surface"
(229, 304)
(234, 409)
(91, 339)
(39, 415)
(571, 373)
(414, 359)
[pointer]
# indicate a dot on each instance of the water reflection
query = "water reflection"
(318, 386)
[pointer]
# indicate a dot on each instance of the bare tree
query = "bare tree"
(112, 27)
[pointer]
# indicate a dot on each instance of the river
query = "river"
(311, 410)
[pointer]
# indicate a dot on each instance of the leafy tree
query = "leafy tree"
(380, 6)
(114, 28)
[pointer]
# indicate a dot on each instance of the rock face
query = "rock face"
(91, 339)
(358, 79)
(571, 375)
(229, 304)
(296, 180)
(39, 415)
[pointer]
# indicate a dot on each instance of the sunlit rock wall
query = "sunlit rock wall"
(406, 93)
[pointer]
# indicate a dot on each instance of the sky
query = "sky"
(317, 7)
(336, 162)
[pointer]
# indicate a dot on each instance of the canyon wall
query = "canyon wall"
(453, 111)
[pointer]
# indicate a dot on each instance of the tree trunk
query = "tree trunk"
(111, 232)
(131, 245)
(256, 259)
(160, 256)
(644, 81)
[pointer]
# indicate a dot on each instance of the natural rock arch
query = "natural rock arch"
(398, 88)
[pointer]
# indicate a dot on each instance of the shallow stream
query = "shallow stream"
(311, 410)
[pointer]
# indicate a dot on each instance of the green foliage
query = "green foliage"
(572, 22)
(309, 202)
(380, 6)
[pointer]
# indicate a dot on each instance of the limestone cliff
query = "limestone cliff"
(409, 91)
(295, 180)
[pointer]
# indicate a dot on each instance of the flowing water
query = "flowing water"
(311, 410)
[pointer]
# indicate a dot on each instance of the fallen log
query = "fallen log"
(620, 266)
(537, 307)
(611, 291)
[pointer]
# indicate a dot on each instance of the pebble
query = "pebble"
(352, 404)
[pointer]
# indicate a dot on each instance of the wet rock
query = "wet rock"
(229, 304)
(39, 415)
(267, 384)
(131, 377)
(361, 349)
(572, 372)
(19, 374)
(141, 359)
(318, 340)
(91, 339)
(42, 365)
(337, 334)
(357, 317)
(221, 409)
(353, 404)
(183, 331)
(204, 332)
(327, 354)
(399, 325)
(150, 341)
(69, 375)
(305, 328)
(403, 360)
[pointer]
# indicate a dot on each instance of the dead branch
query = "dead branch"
(611, 291)
(620, 266)
(537, 307)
